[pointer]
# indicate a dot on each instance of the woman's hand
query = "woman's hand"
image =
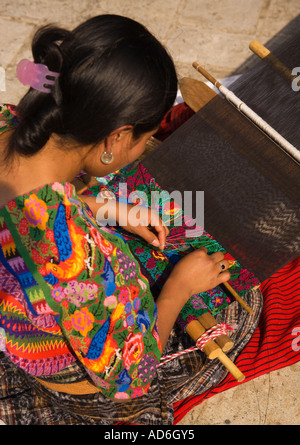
(195, 273)
(143, 222)
(198, 272)
(136, 219)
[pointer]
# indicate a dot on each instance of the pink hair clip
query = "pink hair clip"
(35, 75)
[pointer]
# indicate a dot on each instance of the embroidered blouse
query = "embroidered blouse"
(71, 290)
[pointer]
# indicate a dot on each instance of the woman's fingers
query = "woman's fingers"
(157, 238)
(162, 233)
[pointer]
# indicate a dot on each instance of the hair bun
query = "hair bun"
(46, 46)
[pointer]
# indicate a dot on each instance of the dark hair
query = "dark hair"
(113, 72)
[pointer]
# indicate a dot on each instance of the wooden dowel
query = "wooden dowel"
(208, 321)
(229, 365)
(238, 298)
(195, 330)
(263, 53)
(206, 74)
(253, 117)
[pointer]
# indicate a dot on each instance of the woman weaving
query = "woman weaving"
(67, 299)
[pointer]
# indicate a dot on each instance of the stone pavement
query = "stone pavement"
(216, 33)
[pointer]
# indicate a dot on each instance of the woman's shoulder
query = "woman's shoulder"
(50, 194)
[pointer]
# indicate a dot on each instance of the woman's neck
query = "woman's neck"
(52, 163)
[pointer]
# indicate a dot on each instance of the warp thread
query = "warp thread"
(210, 334)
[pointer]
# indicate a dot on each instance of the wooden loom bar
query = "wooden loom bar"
(263, 53)
(195, 329)
(252, 116)
(238, 298)
(223, 341)
(229, 365)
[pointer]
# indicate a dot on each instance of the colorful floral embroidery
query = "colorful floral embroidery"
(35, 211)
(82, 321)
(88, 279)
(8, 117)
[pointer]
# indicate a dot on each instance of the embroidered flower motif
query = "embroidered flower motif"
(23, 227)
(133, 349)
(190, 318)
(110, 302)
(82, 321)
(136, 303)
(78, 293)
(197, 302)
(123, 295)
(245, 277)
(139, 250)
(58, 293)
(151, 263)
(35, 211)
(134, 291)
(130, 320)
(137, 392)
(217, 300)
(58, 187)
(147, 368)
(158, 255)
(121, 395)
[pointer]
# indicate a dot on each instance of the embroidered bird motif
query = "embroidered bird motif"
(70, 241)
(97, 343)
(103, 346)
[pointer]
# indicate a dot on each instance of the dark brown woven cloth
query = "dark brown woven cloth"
(251, 187)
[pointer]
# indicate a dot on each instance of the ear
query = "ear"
(117, 135)
(119, 132)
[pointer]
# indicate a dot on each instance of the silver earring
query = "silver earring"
(106, 158)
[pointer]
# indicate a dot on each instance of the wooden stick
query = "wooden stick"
(208, 321)
(195, 329)
(229, 365)
(207, 75)
(238, 298)
(266, 55)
